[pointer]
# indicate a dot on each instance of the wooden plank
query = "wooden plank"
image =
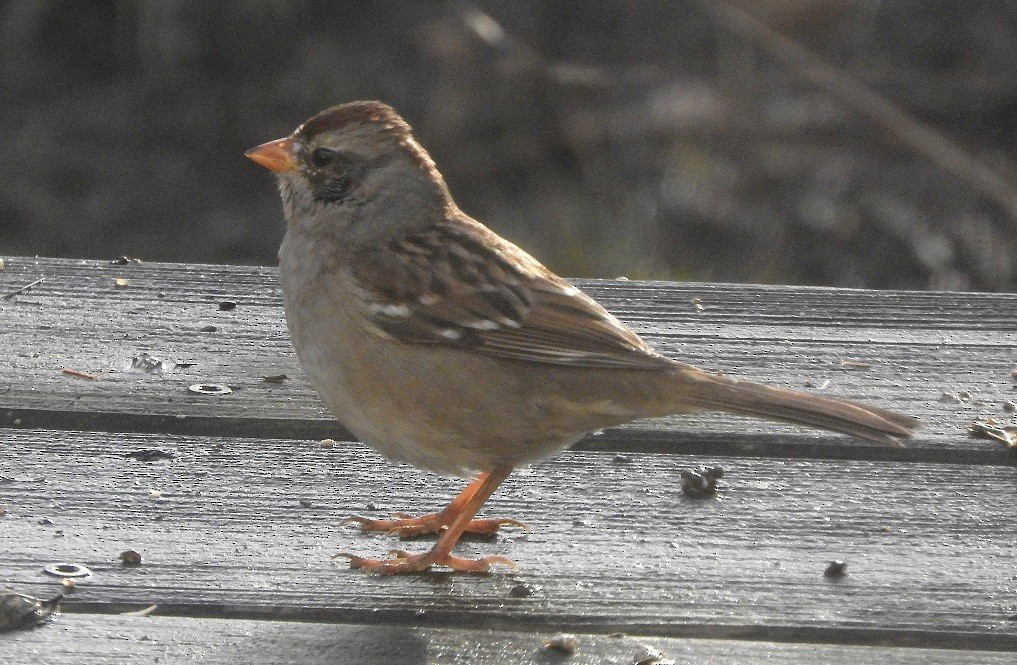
(918, 346)
(94, 640)
(614, 546)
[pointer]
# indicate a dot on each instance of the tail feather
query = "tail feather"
(716, 392)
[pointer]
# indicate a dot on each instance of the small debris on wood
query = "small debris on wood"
(209, 328)
(835, 569)
(1013, 374)
(150, 454)
(22, 479)
(143, 612)
(68, 583)
(274, 378)
(3, 509)
(67, 570)
(822, 386)
(522, 590)
(120, 282)
(326, 444)
(130, 558)
(210, 389)
(651, 656)
(990, 429)
(960, 397)
(306, 503)
(621, 459)
(145, 362)
(1009, 406)
(227, 306)
(22, 289)
(45, 521)
(853, 363)
(701, 483)
(155, 494)
(19, 611)
(79, 374)
(124, 260)
(697, 305)
(621, 278)
(2, 265)
(565, 643)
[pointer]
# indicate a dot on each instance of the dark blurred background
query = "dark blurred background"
(863, 143)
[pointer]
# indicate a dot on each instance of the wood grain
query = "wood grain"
(96, 640)
(240, 521)
(222, 532)
(945, 357)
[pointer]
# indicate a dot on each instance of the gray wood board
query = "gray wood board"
(614, 544)
(945, 357)
(95, 640)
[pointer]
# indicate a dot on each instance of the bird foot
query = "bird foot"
(404, 562)
(408, 527)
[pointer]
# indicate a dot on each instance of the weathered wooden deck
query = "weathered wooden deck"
(237, 529)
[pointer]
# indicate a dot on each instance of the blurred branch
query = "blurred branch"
(489, 31)
(854, 93)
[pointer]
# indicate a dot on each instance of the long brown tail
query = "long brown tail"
(716, 392)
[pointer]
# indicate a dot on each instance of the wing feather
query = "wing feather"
(460, 285)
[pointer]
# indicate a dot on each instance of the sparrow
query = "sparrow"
(443, 345)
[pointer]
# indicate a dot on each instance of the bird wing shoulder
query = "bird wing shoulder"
(461, 285)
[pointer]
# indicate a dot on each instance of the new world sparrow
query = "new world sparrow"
(443, 345)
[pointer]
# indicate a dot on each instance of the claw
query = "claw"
(452, 522)
(406, 527)
(511, 522)
(391, 527)
(405, 562)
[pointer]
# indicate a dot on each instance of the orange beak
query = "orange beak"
(274, 155)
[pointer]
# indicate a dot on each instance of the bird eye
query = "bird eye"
(322, 157)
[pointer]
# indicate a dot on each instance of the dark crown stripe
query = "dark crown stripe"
(353, 113)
